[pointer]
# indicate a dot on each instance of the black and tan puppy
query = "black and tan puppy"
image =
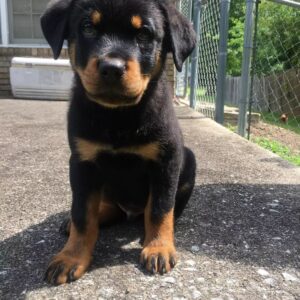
(127, 152)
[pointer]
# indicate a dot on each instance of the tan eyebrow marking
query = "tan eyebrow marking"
(96, 17)
(136, 22)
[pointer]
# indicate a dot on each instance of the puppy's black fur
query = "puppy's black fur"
(127, 152)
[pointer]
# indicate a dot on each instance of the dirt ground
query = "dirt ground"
(282, 135)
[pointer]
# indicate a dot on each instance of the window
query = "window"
(24, 21)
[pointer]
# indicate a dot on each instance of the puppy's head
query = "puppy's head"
(117, 46)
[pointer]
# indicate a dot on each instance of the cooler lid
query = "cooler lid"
(36, 62)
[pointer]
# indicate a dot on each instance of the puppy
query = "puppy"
(127, 151)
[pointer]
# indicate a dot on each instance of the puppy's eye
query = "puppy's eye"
(144, 34)
(88, 30)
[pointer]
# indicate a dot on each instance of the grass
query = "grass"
(274, 146)
(231, 127)
(292, 124)
(279, 149)
(201, 95)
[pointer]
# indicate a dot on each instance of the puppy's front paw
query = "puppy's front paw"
(158, 258)
(65, 268)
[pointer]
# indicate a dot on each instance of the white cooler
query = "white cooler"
(41, 78)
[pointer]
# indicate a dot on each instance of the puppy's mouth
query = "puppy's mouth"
(113, 83)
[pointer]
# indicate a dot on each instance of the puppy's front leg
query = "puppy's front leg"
(159, 254)
(73, 260)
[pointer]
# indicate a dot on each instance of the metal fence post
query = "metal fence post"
(245, 86)
(186, 75)
(194, 58)
(222, 60)
(251, 94)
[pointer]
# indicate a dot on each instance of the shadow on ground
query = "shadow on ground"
(251, 224)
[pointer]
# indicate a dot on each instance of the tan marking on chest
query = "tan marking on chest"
(149, 151)
(88, 150)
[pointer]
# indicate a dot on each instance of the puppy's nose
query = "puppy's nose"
(111, 70)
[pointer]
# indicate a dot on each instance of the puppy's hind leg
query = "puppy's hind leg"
(65, 226)
(109, 214)
(186, 182)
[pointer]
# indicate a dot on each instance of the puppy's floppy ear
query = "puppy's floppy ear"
(180, 35)
(54, 24)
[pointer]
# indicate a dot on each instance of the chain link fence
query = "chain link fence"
(207, 57)
(206, 86)
(275, 87)
(276, 66)
(182, 78)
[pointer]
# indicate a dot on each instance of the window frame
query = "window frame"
(7, 40)
(4, 23)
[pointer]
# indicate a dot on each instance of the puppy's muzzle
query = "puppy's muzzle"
(112, 70)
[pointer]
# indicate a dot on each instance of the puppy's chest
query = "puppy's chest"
(90, 150)
(124, 170)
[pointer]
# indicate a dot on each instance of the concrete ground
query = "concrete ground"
(239, 238)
